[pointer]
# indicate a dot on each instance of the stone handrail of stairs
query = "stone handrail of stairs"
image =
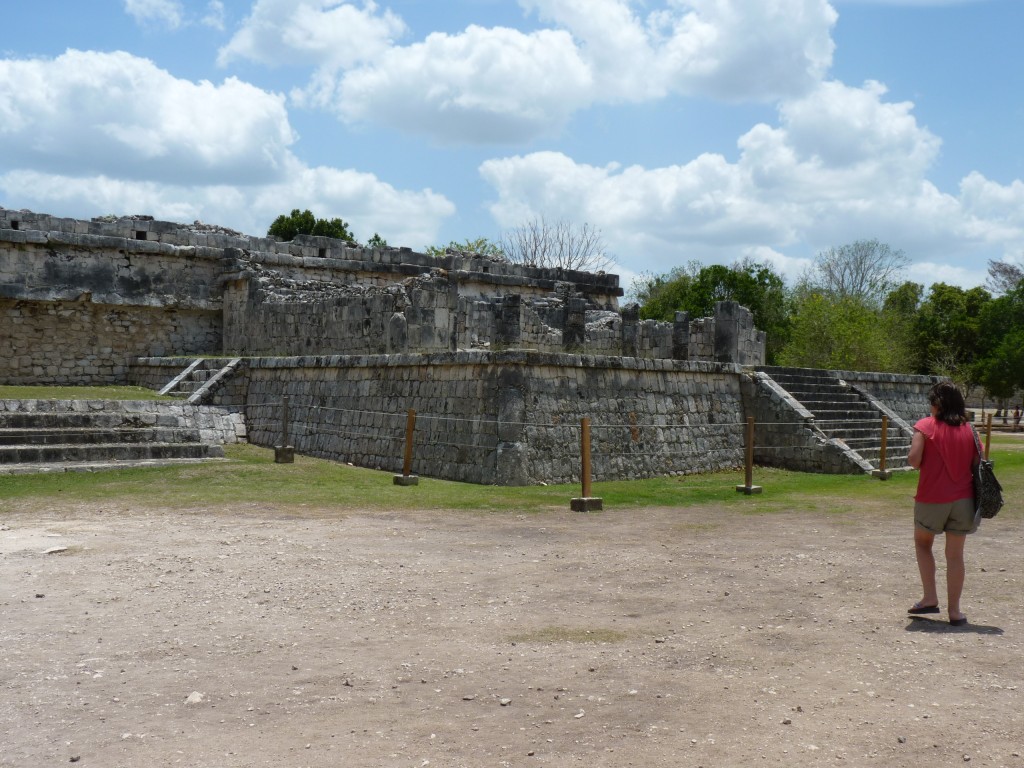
(848, 418)
(197, 383)
(88, 435)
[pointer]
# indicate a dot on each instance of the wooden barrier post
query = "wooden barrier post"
(748, 487)
(285, 452)
(586, 503)
(881, 473)
(406, 478)
(988, 435)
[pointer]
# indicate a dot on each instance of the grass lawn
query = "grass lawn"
(79, 393)
(251, 476)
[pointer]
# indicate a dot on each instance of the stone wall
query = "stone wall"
(112, 289)
(80, 342)
(510, 418)
(242, 295)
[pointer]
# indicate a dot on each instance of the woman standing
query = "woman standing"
(943, 449)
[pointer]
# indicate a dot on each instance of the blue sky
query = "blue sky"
(708, 130)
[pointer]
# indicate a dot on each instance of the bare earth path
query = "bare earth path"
(661, 637)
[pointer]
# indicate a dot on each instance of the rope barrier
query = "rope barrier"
(566, 449)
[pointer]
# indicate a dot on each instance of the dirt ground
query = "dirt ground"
(661, 637)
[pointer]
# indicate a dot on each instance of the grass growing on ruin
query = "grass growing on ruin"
(323, 487)
(79, 393)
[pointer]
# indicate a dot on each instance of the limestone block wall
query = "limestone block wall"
(648, 417)
(322, 258)
(81, 342)
(76, 307)
(509, 418)
(354, 409)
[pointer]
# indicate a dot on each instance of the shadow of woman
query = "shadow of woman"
(923, 624)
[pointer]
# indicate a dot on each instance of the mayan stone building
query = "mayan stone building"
(501, 361)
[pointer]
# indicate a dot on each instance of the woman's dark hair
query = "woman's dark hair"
(949, 401)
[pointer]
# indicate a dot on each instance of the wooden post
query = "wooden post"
(586, 503)
(585, 453)
(881, 472)
(988, 435)
(406, 478)
(285, 452)
(748, 487)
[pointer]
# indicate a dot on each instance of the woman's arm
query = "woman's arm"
(916, 450)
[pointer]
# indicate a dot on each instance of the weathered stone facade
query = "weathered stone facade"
(500, 362)
(509, 418)
(133, 287)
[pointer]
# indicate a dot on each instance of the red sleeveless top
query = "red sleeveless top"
(947, 462)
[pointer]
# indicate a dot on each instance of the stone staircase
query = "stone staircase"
(846, 414)
(88, 435)
(200, 379)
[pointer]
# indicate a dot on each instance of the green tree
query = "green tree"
(899, 318)
(839, 333)
(696, 288)
(998, 363)
(376, 242)
(286, 227)
(947, 335)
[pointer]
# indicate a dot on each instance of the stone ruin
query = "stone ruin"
(502, 361)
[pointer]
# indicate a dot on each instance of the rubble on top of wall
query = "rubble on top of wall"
(277, 287)
(598, 319)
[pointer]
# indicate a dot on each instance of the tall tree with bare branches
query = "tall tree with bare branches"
(1003, 276)
(865, 270)
(540, 243)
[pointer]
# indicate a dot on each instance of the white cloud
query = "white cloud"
(403, 218)
(326, 34)
(155, 12)
(717, 48)
(841, 165)
(909, 3)
(98, 133)
(214, 17)
(503, 85)
(366, 203)
(119, 115)
(479, 86)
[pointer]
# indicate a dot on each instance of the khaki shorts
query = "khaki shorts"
(952, 517)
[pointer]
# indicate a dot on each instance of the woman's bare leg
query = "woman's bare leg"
(923, 541)
(954, 572)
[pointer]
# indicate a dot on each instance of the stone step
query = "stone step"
(842, 415)
(812, 385)
(826, 420)
(55, 435)
(856, 432)
(98, 466)
(869, 440)
(819, 403)
(79, 436)
(106, 452)
(50, 420)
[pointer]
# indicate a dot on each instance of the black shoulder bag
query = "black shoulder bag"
(988, 493)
